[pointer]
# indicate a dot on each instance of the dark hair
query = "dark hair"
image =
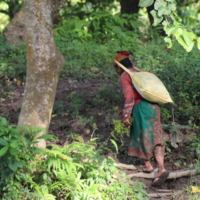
(126, 62)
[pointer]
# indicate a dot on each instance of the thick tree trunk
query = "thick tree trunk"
(129, 6)
(44, 62)
(15, 31)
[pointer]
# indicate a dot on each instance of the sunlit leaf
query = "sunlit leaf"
(172, 6)
(189, 39)
(178, 33)
(198, 43)
(157, 19)
(159, 3)
(115, 144)
(169, 41)
(195, 189)
(79, 138)
(164, 10)
(146, 3)
(172, 29)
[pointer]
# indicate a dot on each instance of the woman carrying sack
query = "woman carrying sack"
(146, 130)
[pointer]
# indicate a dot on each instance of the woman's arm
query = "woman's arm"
(129, 97)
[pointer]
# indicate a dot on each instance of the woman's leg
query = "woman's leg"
(159, 152)
(160, 163)
(148, 166)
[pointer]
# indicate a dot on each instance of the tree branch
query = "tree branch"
(4, 11)
(172, 175)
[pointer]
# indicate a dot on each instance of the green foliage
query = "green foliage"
(59, 108)
(79, 172)
(107, 97)
(83, 9)
(13, 61)
(10, 7)
(119, 131)
(17, 150)
(75, 171)
(165, 12)
(193, 146)
(77, 103)
(91, 43)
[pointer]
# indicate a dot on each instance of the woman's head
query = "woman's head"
(123, 58)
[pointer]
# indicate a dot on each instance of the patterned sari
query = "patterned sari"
(146, 130)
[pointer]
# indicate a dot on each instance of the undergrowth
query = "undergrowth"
(75, 171)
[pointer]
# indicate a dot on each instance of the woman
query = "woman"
(146, 130)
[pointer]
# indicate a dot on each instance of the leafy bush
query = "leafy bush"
(107, 96)
(13, 60)
(16, 154)
(75, 171)
(79, 172)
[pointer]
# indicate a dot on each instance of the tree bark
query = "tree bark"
(44, 63)
(15, 31)
(129, 6)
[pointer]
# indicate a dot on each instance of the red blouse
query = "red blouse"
(131, 96)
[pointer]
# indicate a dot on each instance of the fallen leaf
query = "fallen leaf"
(79, 138)
(195, 189)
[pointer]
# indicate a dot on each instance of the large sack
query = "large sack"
(149, 86)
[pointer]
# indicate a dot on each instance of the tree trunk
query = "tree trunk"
(15, 31)
(44, 63)
(129, 6)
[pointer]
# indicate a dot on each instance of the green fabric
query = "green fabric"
(142, 132)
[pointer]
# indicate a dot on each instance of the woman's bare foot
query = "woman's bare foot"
(148, 167)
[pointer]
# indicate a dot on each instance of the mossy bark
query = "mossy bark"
(44, 63)
(15, 31)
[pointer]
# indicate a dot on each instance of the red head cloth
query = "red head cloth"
(121, 55)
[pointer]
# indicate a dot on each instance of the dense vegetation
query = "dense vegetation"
(88, 47)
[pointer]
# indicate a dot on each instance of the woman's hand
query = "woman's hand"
(126, 123)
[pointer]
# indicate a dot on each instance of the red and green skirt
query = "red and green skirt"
(146, 131)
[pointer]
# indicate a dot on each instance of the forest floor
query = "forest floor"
(66, 127)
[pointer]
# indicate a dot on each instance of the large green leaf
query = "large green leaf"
(146, 3)
(172, 6)
(14, 144)
(163, 11)
(3, 150)
(172, 29)
(12, 164)
(189, 38)
(157, 19)
(159, 3)
(178, 33)
(95, 23)
(3, 142)
(3, 121)
(169, 41)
